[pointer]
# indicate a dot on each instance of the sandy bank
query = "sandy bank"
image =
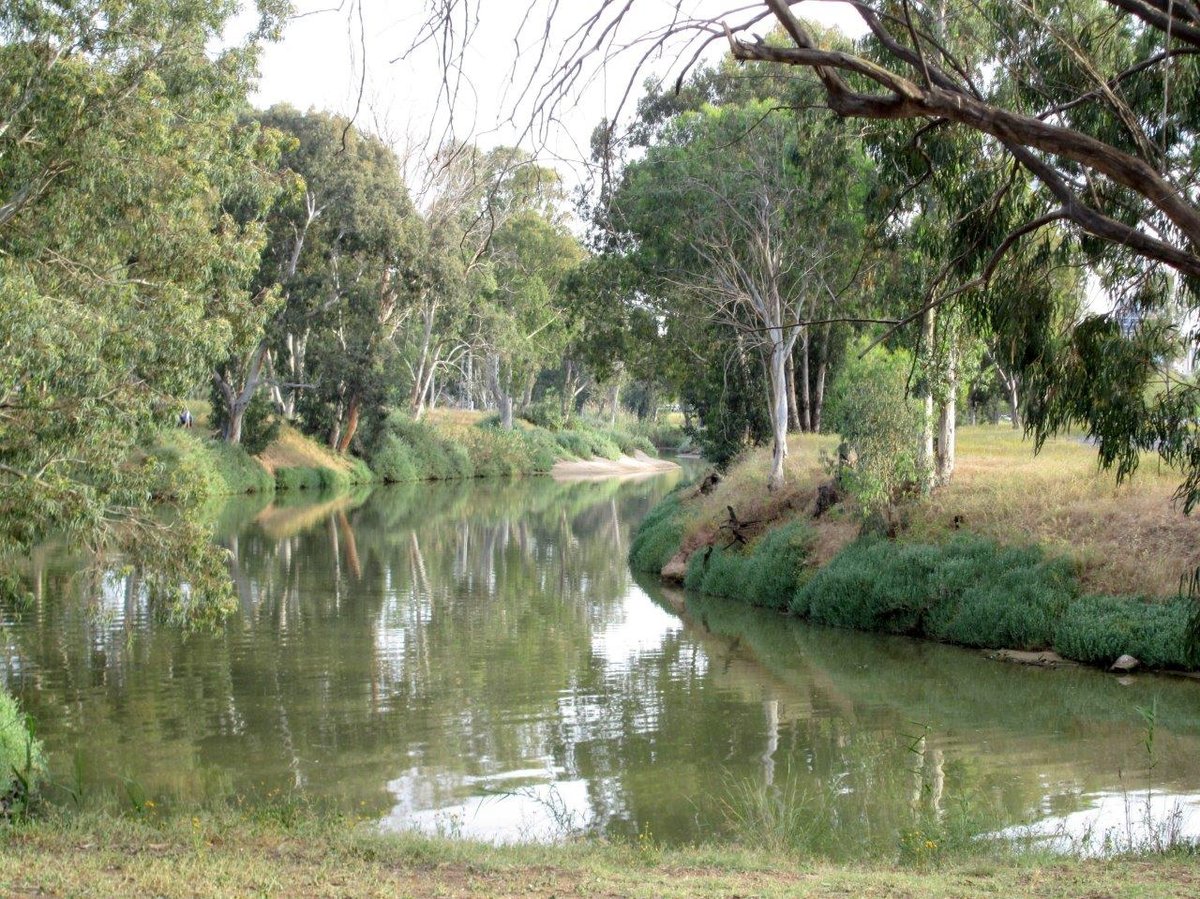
(637, 464)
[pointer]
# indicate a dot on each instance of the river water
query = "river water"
(476, 659)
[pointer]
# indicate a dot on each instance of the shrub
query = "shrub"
(546, 412)
(544, 450)
(765, 574)
(872, 585)
(575, 443)
(22, 762)
(392, 460)
(299, 478)
(659, 535)
(192, 467)
(1099, 629)
(869, 406)
(969, 591)
(241, 472)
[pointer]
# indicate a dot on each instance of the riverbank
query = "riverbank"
(638, 463)
(447, 445)
(1019, 552)
(293, 854)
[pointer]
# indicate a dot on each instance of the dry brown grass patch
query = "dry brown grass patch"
(291, 449)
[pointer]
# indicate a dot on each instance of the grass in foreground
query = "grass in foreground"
(102, 855)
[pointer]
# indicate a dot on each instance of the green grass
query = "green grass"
(321, 477)
(191, 465)
(22, 763)
(291, 852)
(659, 535)
(766, 573)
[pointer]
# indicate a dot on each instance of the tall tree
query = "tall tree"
(118, 143)
(742, 218)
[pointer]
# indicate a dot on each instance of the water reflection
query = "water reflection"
(476, 658)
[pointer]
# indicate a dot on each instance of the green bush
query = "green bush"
(575, 443)
(22, 763)
(193, 467)
(241, 472)
(664, 436)
(969, 591)
(1099, 629)
(546, 412)
(544, 450)
(765, 574)
(403, 449)
(300, 478)
(392, 460)
(872, 585)
(659, 535)
(870, 407)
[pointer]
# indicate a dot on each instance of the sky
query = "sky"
(352, 59)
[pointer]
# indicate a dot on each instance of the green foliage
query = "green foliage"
(969, 591)
(122, 269)
(868, 405)
(766, 574)
(664, 435)
(546, 412)
(300, 478)
(659, 535)
(393, 460)
(433, 457)
(260, 425)
(22, 762)
(575, 443)
(1099, 629)
(194, 469)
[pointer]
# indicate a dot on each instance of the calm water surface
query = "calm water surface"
(477, 659)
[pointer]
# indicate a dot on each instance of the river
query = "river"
(476, 659)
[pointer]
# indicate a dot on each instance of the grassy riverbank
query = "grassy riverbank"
(447, 445)
(1019, 552)
(237, 855)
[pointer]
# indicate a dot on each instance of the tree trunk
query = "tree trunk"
(470, 382)
(779, 413)
(1014, 404)
(237, 402)
(351, 427)
(793, 403)
(506, 412)
(947, 427)
(925, 456)
(805, 384)
(568, 386)
(818, 401)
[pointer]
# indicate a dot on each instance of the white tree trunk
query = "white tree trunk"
(925, 456)
(947, 431)
(779, 413)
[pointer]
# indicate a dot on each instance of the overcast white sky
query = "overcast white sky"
(325, 56)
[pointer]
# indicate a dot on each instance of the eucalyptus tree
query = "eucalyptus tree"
(347, 257)
(736, 214)
(1095, 101)
(120, 265)
(526, 318)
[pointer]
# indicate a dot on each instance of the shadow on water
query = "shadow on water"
(475, 658)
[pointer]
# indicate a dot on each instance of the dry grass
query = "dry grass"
(116, 857)
(454, 418)
(291, 449)
(743, 489)
(1127, 539)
